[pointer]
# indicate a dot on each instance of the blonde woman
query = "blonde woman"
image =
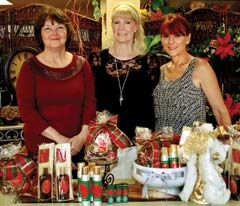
(125, 74)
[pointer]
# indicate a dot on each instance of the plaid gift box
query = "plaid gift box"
(16, 170)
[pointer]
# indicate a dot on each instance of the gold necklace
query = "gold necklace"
(121, 87)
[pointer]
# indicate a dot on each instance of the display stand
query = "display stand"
(108, 177)
(10, 133)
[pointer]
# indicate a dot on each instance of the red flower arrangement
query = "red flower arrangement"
(226, 45)
(232, 106)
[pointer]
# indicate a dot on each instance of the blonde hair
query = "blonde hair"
(126, 8)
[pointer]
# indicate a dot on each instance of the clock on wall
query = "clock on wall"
(14, 63)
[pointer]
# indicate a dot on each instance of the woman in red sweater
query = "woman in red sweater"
(55, 89)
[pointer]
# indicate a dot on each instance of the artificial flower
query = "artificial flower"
(224, 47)
(233, 107)
(157, 14)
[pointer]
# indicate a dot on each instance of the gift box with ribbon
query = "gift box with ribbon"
(16, 172)
(105, 138)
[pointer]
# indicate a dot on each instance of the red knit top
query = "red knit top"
(63, 98)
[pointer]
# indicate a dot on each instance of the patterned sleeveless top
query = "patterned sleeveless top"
(179, 102)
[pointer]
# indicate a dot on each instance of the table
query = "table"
(155, 198)
(8, 199)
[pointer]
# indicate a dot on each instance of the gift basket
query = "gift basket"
(102, 143)
(16, 168)
(157, 165)
(104, 139)
(167, 180)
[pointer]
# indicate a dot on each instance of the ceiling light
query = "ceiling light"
(5, 2)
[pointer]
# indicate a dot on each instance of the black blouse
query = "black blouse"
(134, 81)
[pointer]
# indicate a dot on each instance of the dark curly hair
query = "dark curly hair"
(54, 14)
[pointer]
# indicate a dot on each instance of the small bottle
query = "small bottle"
(45, 185)
(97, 186)
(80, 166)
(63, 184)
(164, 157)
(110, 193)
(91, 166)
(173, 156)
(118, 189)
(85, 186)
(125, 191)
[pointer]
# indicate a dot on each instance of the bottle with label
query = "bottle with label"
(62, 185)
(91, 166)
(97, 186)
(164, 157)
(125, 191)
(110, 193)
(85, 186)
(173, 156)
(118, 190)
(80, 166)
(45, 185)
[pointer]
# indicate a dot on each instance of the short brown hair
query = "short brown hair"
(54, 14)
(174, 23)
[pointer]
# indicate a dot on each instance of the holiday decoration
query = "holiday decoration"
(104, 138)
(203, 152)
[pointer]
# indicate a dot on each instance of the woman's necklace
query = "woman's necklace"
(121, 87)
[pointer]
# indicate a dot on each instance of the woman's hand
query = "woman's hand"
(62, 139)
(78, 141)
(54, 135)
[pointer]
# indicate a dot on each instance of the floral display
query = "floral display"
(232, 106)
(232, 102)
(226, 45)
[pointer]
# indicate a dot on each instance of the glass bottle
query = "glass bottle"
(45, 185)
(63, 184)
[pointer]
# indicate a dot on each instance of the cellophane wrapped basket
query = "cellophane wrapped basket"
(105, 138)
